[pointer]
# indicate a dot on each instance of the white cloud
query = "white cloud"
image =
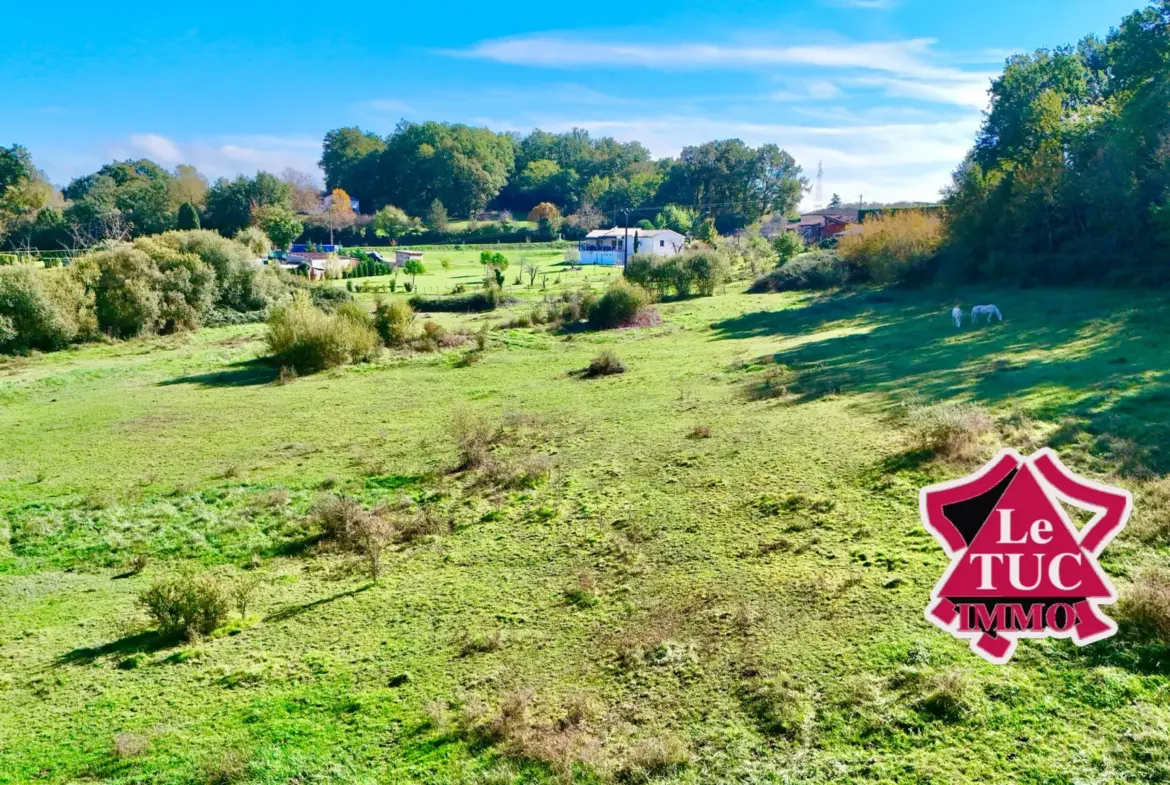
(158, 148)
(970, 92)
(560, 52)
(226, 157)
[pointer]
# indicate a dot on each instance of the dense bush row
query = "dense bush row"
(159, 284)
(682, 274)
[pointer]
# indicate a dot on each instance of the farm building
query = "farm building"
(614, 246)
(403, 255)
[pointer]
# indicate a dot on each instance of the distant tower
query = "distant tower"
(819, 196)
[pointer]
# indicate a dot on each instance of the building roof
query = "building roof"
(620, 231)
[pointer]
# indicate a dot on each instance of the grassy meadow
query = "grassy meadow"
(554, 274)
(722, 578)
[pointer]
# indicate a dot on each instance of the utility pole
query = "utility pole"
(626, 241)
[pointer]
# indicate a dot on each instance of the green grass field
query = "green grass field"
(554, 274)
(738, 602)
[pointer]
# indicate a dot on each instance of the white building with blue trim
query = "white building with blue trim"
(614, 246)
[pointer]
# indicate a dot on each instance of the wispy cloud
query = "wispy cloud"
(903, 69)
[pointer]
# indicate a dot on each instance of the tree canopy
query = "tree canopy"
(1069, 176)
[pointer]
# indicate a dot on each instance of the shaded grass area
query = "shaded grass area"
(1092, 366)
(703, 583)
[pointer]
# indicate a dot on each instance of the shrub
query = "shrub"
(949, 429)
(186, 603)
(392, 321)
(619, 305)
(892, 247)
(788, 245)
(370, 536)
(43, 309)
(526, 472)
(1146, 603)
(338, 517)
(187, 285)
(605, 364)
(188, 217)
(307, 339)
(126, 286)
(815, 270)
(705, 270)
(474, 436)
(682, 273)
(255, 240)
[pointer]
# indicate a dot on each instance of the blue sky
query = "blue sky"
(887, 94)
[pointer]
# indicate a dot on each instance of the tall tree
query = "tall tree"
(348, 158)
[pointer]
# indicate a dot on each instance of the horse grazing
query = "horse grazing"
(985, 310)
(957, 315)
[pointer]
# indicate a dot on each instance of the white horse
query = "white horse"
(957, 315)
(985, 310)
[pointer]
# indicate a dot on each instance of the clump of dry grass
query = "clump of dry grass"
(657, 756)
(1146, 603)
(474, 437)
(701, 431)
(1151, 523)
(479, 644)
(527, 471)
(948, 695)
(948, 430)
(779, 705)
(130, 745)
(564, 745)
(226, 768)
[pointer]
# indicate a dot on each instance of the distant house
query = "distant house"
(614, 246)
(402, 256)
(318, 265)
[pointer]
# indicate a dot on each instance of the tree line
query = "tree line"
(421, 177)
(1069, 177)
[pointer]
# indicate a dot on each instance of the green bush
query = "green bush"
(392, 321)
(43, 309)
(788, 245)
(705, 270)
(307, 339)
(681, 273)
(187, 286)
(126, 286)
(815, 270)
(186, 603)
(255, 240)
(619, 305)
